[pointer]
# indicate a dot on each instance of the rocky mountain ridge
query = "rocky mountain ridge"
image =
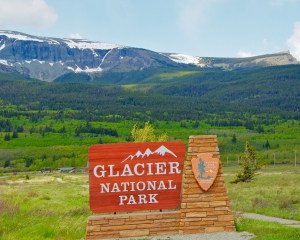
(47, 58)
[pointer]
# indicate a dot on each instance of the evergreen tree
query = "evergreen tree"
(249, 163)
(15, 134)
(28, 161)
(6, 163)
(183, 124)
(233, 138)
(260, 129)
(62, 130)
(196, 124)
(7, 137)
(268, 145)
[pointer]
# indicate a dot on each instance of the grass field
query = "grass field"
(55, 206)
(42, 207)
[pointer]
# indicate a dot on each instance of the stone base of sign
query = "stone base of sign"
(200, 211)
(133, 225)
(204, 211)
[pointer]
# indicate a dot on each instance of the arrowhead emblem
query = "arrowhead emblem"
(205, 169)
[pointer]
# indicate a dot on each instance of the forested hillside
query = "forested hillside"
(46, 124)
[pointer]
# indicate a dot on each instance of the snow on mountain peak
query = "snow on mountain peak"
(147, 152)
(2, 46)
(185, 59)
(24, 37)
(162, 150)
(85, 44)
(138, 153)
(18, 36)
(71, 43)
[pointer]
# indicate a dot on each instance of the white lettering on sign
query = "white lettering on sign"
(111, 171)
(127, 171)
(102, 171)
(138, 169)
(115, 188)
(141, 199)
(170, 185)
(104, 187)
(125, 185)
(174, 166)
(161, 186)
(139, 186)
(160, 168)
(149, 168)
(151, 185)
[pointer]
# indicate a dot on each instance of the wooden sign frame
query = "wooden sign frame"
(135, 176)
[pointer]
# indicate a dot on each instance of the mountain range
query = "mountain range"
(138, 83)
(162, 150)
(78, 60)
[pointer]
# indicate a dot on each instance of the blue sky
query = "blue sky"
(207, 28)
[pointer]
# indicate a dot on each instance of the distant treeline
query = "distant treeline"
(219, 97)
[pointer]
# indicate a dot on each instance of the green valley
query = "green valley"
(53, 124)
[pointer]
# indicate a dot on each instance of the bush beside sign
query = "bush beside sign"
(135, 176)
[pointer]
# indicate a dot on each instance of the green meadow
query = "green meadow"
(57, 140)
(56, 206)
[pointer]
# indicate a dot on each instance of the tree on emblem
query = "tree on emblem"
(201, 168)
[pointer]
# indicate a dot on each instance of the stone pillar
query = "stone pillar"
(204, 212)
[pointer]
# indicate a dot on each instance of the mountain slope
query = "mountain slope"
(276, 59)
(272, 90)
(48, 59)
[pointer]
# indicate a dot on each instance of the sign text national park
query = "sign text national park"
(135, 176)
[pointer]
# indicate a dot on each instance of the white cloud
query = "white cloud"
(75, 36)
(27, 13)
(294, 41)
(243, 54)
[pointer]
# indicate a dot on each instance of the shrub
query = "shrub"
(249, 163)
(45, 198)
(146, 134)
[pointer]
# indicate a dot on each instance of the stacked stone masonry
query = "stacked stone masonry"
(133, 225)
(200, 211)
(204, 212)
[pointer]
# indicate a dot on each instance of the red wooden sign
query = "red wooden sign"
(135, 176)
